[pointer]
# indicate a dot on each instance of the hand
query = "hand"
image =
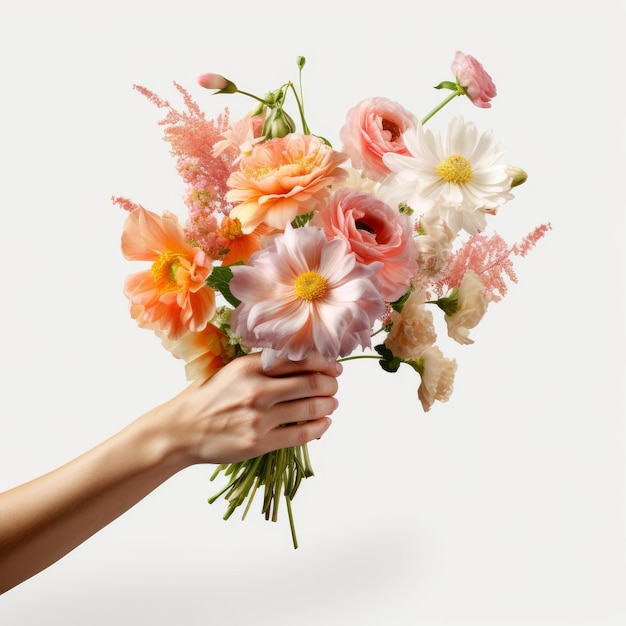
(244, 411)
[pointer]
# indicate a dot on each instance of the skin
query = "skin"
(235, 415)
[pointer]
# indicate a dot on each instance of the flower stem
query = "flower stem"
(442, 104)
(251, 95)
(359, 356)
(292, 525)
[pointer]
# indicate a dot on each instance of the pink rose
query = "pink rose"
(374, 127)
(375, 232)
(473, 78)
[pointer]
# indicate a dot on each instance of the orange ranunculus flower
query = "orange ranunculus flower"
(282, 178)
(172, 296)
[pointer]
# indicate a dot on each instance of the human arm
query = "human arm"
(235, 415)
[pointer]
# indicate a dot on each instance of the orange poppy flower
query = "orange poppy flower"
(171, 296)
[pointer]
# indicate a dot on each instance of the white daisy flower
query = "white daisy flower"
(458, 178)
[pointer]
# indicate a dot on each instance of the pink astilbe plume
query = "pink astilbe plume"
(490, 258)
(192, 138)
(126, 204)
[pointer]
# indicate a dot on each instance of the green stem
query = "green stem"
(251, 95)
(300, 102)
(359, 356)
(292, 524)
(440, 106)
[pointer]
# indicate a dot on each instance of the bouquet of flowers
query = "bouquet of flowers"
(291, 245)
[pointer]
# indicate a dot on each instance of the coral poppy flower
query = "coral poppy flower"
(282, 178)
(241, 245)
(204, 352)
(171, 296)
(305, 293)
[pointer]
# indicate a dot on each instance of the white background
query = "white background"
(506, 505)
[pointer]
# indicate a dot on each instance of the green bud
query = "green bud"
(449, 304)
(517, 174)
(258, 110)
(301, 62)
(278, 124)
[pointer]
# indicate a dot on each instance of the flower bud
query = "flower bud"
(517, 174)
(278, 124)
(218, 82)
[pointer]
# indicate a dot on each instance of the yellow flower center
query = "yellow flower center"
(164, 272)
(455, 169)
(310, 285)
(231, 228)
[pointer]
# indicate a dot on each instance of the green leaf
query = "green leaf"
(447, 84)
(389, 362)
(400, 302)
(302, 220)
(219, 280)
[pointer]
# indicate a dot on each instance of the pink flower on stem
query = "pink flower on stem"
(374, 127)
(305, 293)
(471, 75)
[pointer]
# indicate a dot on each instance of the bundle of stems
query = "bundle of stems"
(277, 473)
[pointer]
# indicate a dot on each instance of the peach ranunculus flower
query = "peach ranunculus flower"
(412, 330)
(305, 293)
(471, 75)
(473, 300)
(375, 232)
(437, 375)
(373, 128)
(282, 178)
(204, 352)
(171, 296)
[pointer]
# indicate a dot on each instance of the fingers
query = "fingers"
(303, 410)
(314, 362)
(296, 434)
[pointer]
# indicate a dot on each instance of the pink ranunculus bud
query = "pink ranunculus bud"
(217, 81)
(471, 75)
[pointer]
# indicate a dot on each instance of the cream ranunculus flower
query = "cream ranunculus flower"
(437, 377)
(473, 300)
(413, 330)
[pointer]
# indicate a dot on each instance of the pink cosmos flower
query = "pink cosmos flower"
(375, 232)
(305, 293)
(472, 76)
(374, 127)
(171, 296)
(282, 178)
